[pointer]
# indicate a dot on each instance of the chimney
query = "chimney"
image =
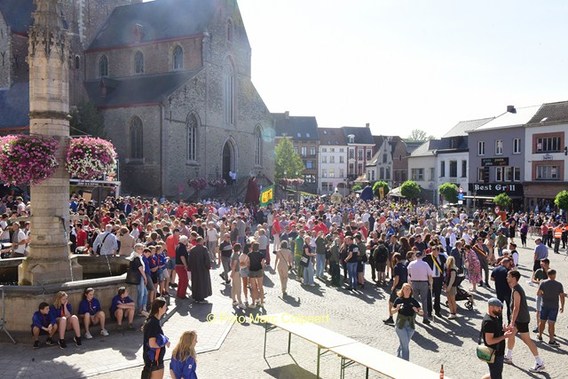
(287, 115)
(368, 125)
(511, 109)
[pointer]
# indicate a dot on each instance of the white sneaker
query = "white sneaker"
(88, 336)
(241, 306)
(104, 332)
(537, 367)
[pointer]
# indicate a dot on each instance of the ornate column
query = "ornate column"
(48, 58)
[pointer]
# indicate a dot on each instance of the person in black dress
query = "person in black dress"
(155, 342)
(200, 264)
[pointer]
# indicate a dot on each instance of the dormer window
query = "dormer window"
(138, 33)
(351, 138)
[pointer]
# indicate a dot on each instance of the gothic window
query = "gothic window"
(258, 145)
(77, 62)
(177, 58)
(191, 138)
(139, 62)
(229, 31)
(103, 66)
(136, 139)
(229, 95)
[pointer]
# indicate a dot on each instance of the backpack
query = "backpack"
(381, 254)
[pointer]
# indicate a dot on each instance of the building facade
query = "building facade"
(332, 161)
(360, 146)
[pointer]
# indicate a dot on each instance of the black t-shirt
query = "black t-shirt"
(401, 271)
(354, 250)
(407, 304)
(152, 329)
(181, 251)
(226, 249)
(502, 288)
(493, 325)
(255, 258)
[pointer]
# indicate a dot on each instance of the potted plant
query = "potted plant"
(27, 159)
(90, 158)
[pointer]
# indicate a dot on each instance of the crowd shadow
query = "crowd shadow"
(291, 371)
(38, 369)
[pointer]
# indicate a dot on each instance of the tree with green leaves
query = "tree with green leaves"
(449, 191)
(87, 120)
(383, 185)
(503, 200)
(356, 187)
(410, 189)
(561, 200)
(288, 164)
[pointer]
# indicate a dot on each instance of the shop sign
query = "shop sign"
(494, 189)
(486, 162)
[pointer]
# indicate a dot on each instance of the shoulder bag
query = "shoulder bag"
(133, 275)
(484, 352)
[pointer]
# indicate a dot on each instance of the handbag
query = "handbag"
(133, 275)
(304, 260)
(98, 252)
(485, 353)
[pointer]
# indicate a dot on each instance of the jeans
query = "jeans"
(226, 261)
(309, 273)
(496, 368)
(352, 271)
(320, 265)
(142, 297)
(335, 274)
(404, 336)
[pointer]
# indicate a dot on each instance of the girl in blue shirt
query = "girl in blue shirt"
(183, 364)
(91, 312)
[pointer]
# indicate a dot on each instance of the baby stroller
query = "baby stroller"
(462, 294)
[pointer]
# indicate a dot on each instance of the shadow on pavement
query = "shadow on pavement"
(56, 369)
(290, 371)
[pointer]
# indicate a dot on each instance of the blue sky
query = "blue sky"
(402, 64)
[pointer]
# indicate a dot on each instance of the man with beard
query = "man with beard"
(494, 336)
(200, 264)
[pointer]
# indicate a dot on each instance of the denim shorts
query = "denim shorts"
(548, 314)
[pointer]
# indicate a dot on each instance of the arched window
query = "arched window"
(191, 137)
(103, 66)
(229, 95)
(258, 145)
(229, 30)
(136, 139)
(177, 58)
(139, 62)
(77, 62)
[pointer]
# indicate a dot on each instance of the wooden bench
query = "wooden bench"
(350, 351)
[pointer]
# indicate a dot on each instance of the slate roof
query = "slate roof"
(412, 145)
(297, 127)
(362, 134)
(428, 148)
(18, 14)
(331, 136)
(160, 20)
(462, 127)
(511, 120)
(15, 106)
(551, 113)
(137, 90)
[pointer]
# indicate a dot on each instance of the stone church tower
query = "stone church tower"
(48, 59)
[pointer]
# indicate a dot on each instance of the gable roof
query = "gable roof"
(297, 127)
(138, 90)
(18, 14)
(362, 134)
(159, 19)
(331, 136)
(551, 113)
(510, 120)
(462, 127)
(15, 106)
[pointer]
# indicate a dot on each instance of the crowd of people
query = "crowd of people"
(416, 252)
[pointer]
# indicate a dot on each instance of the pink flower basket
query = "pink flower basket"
(90, 158)
(27, 159)
(198, 183)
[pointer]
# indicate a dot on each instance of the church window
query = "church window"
(229, 30)
(258, 145)
(178, 58)
(77, 62)
(136, 139)
(103, 66)
(191, 137)
(229, 95)
(139, 62)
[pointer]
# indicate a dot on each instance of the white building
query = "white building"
(332, 164)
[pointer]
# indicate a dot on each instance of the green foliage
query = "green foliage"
(503, 200)
(561, 200)
(87, 120)
(410, 189)
(449, 191)
(287, 162)
(356, 187)
(380, 184)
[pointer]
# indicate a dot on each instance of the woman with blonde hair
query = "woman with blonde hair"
(407, 308)
(451, 288)
(183, 363)
(283, 264)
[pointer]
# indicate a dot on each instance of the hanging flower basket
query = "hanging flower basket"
(198, 183)
(27, 159)
(90, 158)
(217, 183)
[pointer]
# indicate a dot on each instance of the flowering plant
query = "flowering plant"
(90, 158)
(292, 182)
(27, 159)
(197, 183)
(219, 183)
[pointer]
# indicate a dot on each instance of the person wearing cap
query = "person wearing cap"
(551, 292)
(494, 336)
(520, 319)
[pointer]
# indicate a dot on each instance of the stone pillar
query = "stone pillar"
(48, 58)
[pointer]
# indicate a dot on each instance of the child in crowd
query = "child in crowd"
(91, 312)
(123, 306)
(44, 323)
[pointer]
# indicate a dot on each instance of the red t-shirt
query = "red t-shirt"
(81, 237)
(171, 243)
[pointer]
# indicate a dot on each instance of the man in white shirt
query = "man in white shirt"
(106, 241)
(19, 240)
(420, 277)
